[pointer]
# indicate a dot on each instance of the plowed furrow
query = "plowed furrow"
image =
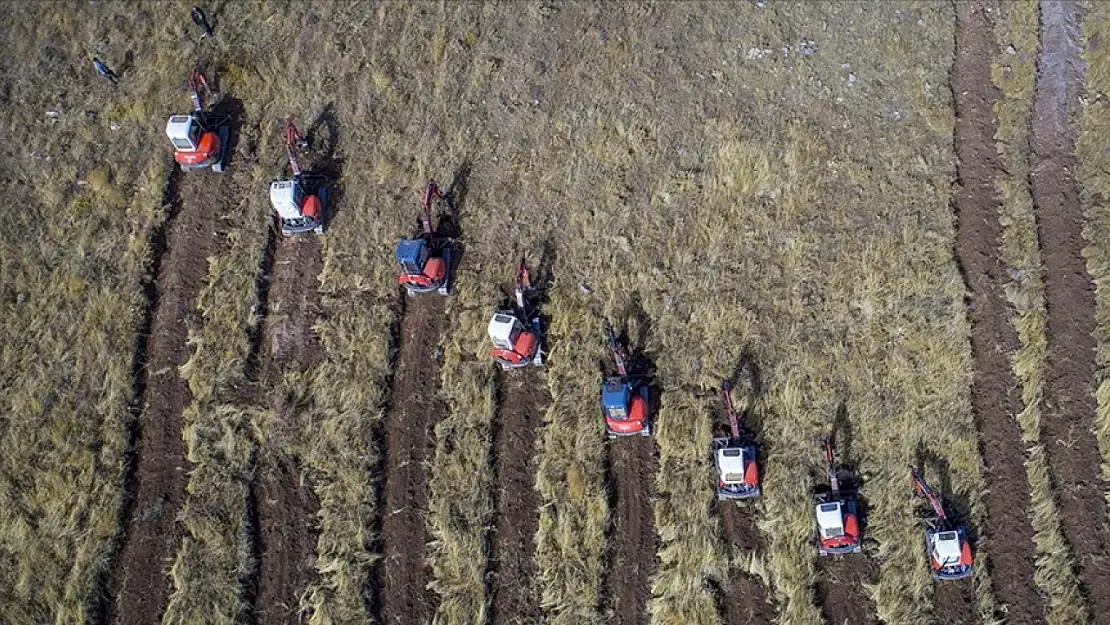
(840, 590)
(954, 603)
(286, 506)
(743, 599)
(514, 575)
(994, 393)
(409, 446)
(633, 465)
(161, 467)
(1069, 408)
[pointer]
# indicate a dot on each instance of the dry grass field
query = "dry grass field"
(880, 219)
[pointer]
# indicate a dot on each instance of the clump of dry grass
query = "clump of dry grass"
(1094, 186)
(573, 514)
(1014, 73)
(690, 551)
(459, 502)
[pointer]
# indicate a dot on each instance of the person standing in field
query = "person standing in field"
(105, 71)
(201, 20)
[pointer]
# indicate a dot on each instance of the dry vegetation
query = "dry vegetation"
(721, 178)
(84, 201)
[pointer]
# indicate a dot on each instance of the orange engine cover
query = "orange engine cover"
(637, 417)
(507, 355)
(312, 207)
(851, 526)
(435, 269)
(525, 344)
(208, 148)
(751, 474)
(637, 412)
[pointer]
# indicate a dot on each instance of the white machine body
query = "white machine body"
(183, 132)
(830, 519)
(946, 547)
(503, 330)
(731, 463)
(287, 198)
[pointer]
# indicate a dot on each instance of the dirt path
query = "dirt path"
(285, 507)
(161, 468)
(409, 446)
(1070, 376)
(515, 593)
(633, 465)
(286, 542)
(994, 393)
(840, 591)
(954, 602)
(743, 599)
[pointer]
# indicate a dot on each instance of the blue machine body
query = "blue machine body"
(615, 397)
(411, 253)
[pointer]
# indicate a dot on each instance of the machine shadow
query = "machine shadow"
(641, 366)
(847, 470)
(323, 137)
(936, 470)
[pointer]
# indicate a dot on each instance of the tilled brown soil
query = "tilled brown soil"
(515, 593)
(954, 602)
(994, 392)
(633, 465)
(743, 599)
(1070, 368)
(840, 590)
(415, 407)
(161, 467)
(286, 507)
(286, 539)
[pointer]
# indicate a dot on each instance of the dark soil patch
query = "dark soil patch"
(161, 467)
(1069, 407)
(633, 465)
(409, 447)
(994, 392)
(743, 599)
(286, 540)
(285, 506)
(293, 307)
(840, 589)
(515, 594)
(954, 602)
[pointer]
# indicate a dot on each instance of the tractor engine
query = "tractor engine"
(837, 527)
(297, 210)
(419, 271)
(625, 413)
(512, 344)
(194, 146)
(949, 554)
